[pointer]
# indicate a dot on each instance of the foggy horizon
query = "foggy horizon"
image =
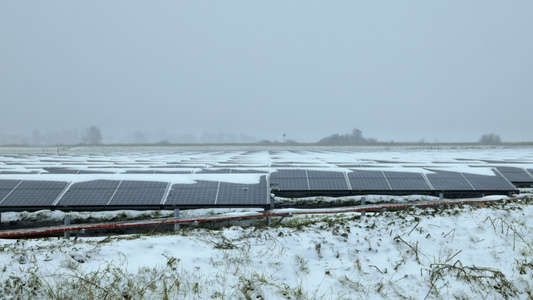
(398, 71)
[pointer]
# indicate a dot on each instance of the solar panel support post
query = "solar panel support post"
(176, 215)
(283, 217)
(363, 202)
(268, 219)
(66, 234)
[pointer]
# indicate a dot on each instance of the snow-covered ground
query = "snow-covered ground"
(482, 252)
(459, 252)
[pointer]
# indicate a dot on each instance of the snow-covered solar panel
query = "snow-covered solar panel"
(200, 193)
(61, 171)
(243, 194)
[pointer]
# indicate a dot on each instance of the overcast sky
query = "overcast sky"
(397, 70)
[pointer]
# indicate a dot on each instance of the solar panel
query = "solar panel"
(514, 174)
(327, 180)
(89, 193)
(6, 186)
(362, 180)
(140, 172)
(9, 184)
(290, 180)
(406, 181)
(214, 171)
(243, 194)
(451, 181)
(139, 193)
(34, 193)
(200, 193)
(18, 172)
(94, 172)
(60, 171)
(247, 171)
(172, 172)
(489, 183)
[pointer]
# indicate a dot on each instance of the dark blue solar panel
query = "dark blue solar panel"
(89, 193)
(6, 187)
(139, 193)
(514, 174)
(9, 184)
(140, 172)
(34, 193)
(243, 194)
(489, 183)
(448, 181)
(406, 181)
(327, 180)
(200, 193)
(172, 172)
(94, 172)
(60, 171)
(290, 180)
(362, 180)
(96, 184)
(214, 171)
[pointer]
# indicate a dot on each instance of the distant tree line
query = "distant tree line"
(354, 138)
(490, 139)
(91, 135)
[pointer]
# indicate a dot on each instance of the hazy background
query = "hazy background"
(446, 71)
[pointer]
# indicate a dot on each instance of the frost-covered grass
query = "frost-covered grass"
(455, 252)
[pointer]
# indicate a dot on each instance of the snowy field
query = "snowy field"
(482, 252)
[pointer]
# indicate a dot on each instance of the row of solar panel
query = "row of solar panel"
(368, 180)
(519, 176)
(116, 193)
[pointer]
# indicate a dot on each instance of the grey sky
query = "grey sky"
(397, 70)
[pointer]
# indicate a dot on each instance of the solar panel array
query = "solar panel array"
(121, 180)
(297, 182)
(108, 194)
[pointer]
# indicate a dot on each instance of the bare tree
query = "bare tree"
(490, 139)
(92, 135)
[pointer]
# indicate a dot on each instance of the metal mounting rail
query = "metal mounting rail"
(268, 213)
